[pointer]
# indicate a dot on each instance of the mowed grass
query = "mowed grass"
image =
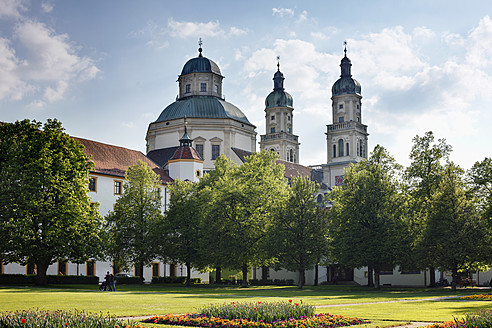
(398, 305)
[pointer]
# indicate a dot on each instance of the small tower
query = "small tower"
(279, 122)
(186, 164)
(346, 138)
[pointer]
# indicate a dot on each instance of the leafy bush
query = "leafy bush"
(22, 279)
(55, 319)
(264, 311)
(269, 282)
(174, 280)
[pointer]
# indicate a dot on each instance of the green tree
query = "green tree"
(299, 232)
(214, 242)
(480, 179)
(245, 200)
(133, 224)
(45, 212)
(366, 225)
(461, 236)
(423, 177)
(182, 226)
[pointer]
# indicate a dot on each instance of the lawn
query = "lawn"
(352, 301)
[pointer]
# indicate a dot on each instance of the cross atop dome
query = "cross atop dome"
(200, 42)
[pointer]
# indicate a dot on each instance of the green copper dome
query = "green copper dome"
(278, 99)
(200, 64)
(202, 107)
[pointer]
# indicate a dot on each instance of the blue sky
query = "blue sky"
(106, 69)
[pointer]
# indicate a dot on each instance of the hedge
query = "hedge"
(22, 279)
(174, 280)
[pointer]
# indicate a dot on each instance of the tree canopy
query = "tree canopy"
(366, 225)
(132, 226)
(45, 212)
(298, 235)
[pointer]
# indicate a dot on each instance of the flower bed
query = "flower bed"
(59, 319)
(257, 315)
(477, 297)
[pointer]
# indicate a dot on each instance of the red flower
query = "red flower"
(290, 301)
(301, 301)
(259, 302)
(233, 302)
(297, 304)
(23, 320)
(254, 309)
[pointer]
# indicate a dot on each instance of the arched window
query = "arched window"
(334, 151)
(340, 148)
(361, 149)
(291, 155)
(347, 153)
(357, 148)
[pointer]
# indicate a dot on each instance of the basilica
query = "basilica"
(219, 127)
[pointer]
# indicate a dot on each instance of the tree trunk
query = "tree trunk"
(42, 267)
(316, 275)
(140, 271)
(370, 282)
(455, 281)
(188, 274)
(218, 275)
(244, 283)
(301, 278)
(432, 277)
(376, 278)
(264, 275)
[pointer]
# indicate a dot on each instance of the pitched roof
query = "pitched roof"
(161, 156)
(242, 154)
(186, 152)
(298, 170)
(114, 160)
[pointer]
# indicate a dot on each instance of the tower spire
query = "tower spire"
(345, 50)
(185, 140)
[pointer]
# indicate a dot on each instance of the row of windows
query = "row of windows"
(118, 186)
(340, 106)
(340, 149)
(203, 88)
(361, 151)
(90, 267)
(272, 118)
(215, 151)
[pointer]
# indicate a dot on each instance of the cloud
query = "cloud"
(318, 36)
(47, 7)
(12, 8)
(48, 68)
(302, 17)
(282, 12)
(185, 29)
(11, 85)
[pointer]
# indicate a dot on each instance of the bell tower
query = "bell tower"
(346, 138)
(279, 121)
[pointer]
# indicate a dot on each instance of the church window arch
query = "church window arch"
(334, 151)
(340, 148)
(291, 157)
(347, 153)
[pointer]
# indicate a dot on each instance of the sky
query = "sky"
(107, 68)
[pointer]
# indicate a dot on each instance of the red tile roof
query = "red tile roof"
(114, 160)
(186, 152)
